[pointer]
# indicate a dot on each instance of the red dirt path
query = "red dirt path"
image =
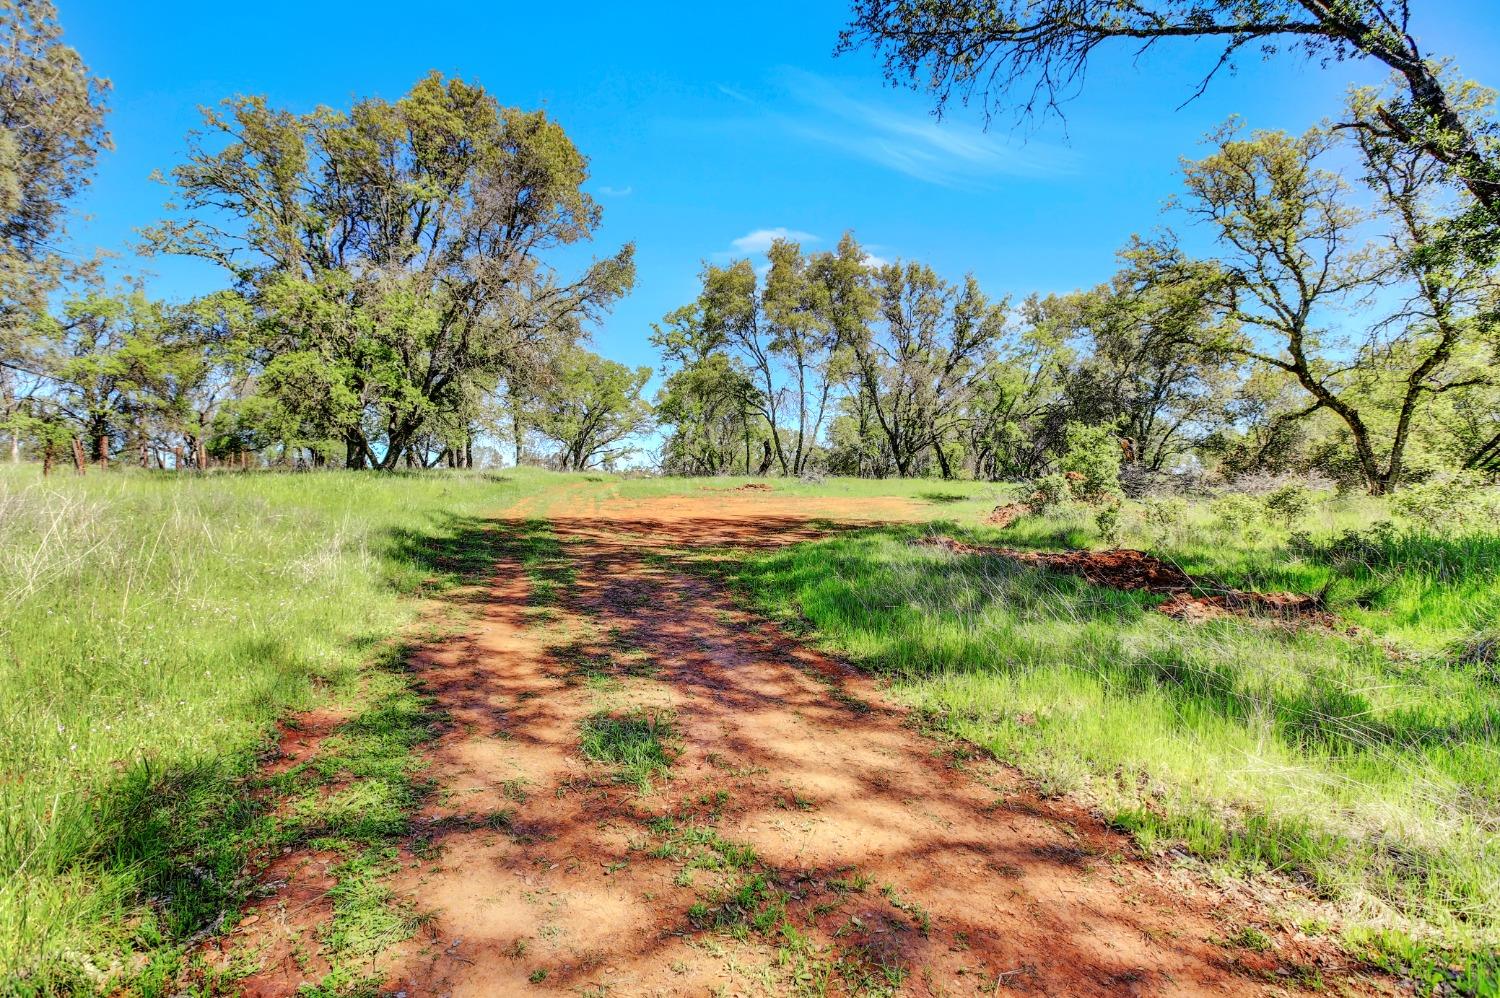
(902, 860)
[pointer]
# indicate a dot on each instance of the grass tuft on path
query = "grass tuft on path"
(637, 744)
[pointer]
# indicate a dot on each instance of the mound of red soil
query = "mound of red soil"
(1125, 569)
(753, 487)
(1186, 606)
(1004, 516)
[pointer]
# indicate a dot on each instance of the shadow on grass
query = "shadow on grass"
(174, 837)
(944, 625)
(943, 498)
(918, 614)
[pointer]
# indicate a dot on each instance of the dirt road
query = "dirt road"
(806, 837)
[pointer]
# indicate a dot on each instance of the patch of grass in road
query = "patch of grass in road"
(157, 625)
(1369, 776)
(638, 744)
(743, 897)
(367, 916)
(543, 558)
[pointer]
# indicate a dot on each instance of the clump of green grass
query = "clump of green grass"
(637, 744)
(367, 917)
(542, 558)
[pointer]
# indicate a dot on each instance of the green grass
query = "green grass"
(155, 626)
(637, 744)
(1369, 774)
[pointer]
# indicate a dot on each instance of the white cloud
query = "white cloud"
(950, 153)
(616, 192)
(872, 261)
(761, 239)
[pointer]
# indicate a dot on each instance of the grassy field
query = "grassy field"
(1363, 765)
(155, 626)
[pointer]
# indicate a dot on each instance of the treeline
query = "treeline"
(389, 297)
(1337, 326)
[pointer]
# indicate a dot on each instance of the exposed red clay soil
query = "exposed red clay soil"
(1004, 516)
(903, 861)
(1123, 568)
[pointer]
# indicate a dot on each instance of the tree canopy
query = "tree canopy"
(395, 255)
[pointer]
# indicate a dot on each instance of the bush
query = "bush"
(1164, 518)
(1109, 519)
(1092, 460)
(1049, 494)
(1443, 504)
(1288, 503)
(1370, 547)
(1234, 512)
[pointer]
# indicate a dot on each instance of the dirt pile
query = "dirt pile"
(1004, 516)
(1137, 571)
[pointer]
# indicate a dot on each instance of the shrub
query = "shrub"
(1288, 503)
(1443, 503)
(1234, 512)
(1164, 518)
(1109, 519)
(1092, 457)
(1370, 547)
(1050, 493)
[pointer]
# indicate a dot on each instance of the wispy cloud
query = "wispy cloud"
(761, 239)
(616, 192)
(950, 153)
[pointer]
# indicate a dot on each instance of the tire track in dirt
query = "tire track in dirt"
(900, 864)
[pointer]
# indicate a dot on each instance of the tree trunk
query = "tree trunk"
(80, 461)
(1486, 455)
(943, 462)
(515, 428)
(766, 457)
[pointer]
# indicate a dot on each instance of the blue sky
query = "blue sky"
(710, 126)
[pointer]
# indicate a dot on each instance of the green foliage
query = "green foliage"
(1049, 493)
(1164, 518)
(637, 744)
(1109, 518)
(1286, 504)
(1448, 503)
(1092, 456)
(51, 132)
(1235, 512)
(589, 406)
(352, 226)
